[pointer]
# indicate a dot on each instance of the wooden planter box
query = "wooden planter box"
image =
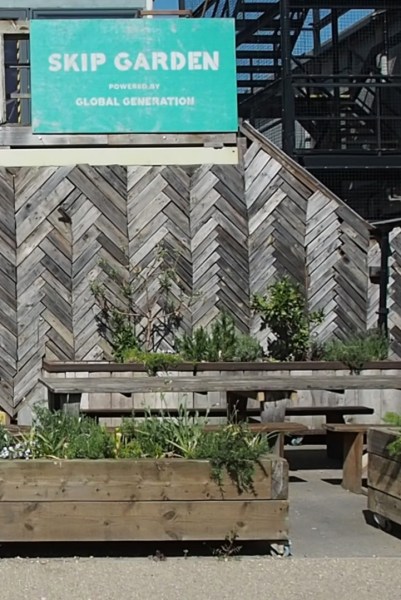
(384, 476)
(138, 500)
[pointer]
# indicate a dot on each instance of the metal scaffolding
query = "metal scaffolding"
(322, 79)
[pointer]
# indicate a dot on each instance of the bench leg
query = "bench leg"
(333, 441)
(278, 445)
(352, 466)
(236, 407)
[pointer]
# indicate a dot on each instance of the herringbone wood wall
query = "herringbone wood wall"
(229, 232)
(299, 228)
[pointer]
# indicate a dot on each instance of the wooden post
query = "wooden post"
(3, 108)
(352, 466)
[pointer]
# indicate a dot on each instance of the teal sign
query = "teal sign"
(133, 75)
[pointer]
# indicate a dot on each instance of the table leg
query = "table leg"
(278, 445)
(352, 465)
(333, 441)
(236, 407)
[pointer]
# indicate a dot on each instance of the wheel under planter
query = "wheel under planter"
(384, 478)
(139, 500)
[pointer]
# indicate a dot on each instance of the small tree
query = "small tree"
(283, 311)
(146, 320)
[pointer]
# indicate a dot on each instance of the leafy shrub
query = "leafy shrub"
(62, 435)
(223, 343)
(394, 420)
(247, 349)
(283, 311)
(153, 361)
(234, 449)
(358, 350)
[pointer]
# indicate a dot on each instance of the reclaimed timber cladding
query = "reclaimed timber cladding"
(8, 293)
(297, 227)
(97, 211)
(373, 286)
(159, 239)
(43, 273)
(219, 239)
(229, 231)
(394, 293)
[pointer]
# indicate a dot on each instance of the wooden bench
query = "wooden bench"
(351, 437)
(333, 414)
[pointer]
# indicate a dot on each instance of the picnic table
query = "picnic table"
(252, 384)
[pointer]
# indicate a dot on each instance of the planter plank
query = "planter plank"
(142, 521)
(132, 480)
(378, 441)
(384, 475)
(138, 500)
(384, 505)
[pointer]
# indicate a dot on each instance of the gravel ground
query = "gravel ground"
(201, 579)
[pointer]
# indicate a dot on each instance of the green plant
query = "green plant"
(283, 311)
(134, 316)
(153, 361)
(62, 435)
(394, 420)
(230, 549)
(223, 343)
(247, 349)
(358, 350)
(234, 449)
(195, 347)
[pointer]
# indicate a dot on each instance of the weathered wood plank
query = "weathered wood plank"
(378, 441)
(23, 137)
(384, 505)
(3, 107)
(143, 521)
(132, 480)
(384, 475)
(222, 383)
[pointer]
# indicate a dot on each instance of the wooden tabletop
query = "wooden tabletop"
(351, 427)
(227, 383)
(302, 411)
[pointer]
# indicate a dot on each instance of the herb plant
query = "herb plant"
(283, 312)
(358, 350)
(222, 343)
(394, 420)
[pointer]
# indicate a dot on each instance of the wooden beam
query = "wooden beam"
(3, 111)
(143, 521)
(352, 466)
(14, 27)
(166, 13)
(124, 385)
(57, 157)
(125, 480)
(14, 135)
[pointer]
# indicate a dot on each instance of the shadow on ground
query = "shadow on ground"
(157, 551)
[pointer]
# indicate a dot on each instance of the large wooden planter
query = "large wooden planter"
(384, 476)
(138, 500)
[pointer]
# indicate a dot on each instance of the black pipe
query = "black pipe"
(384, 277)
(287, 98)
